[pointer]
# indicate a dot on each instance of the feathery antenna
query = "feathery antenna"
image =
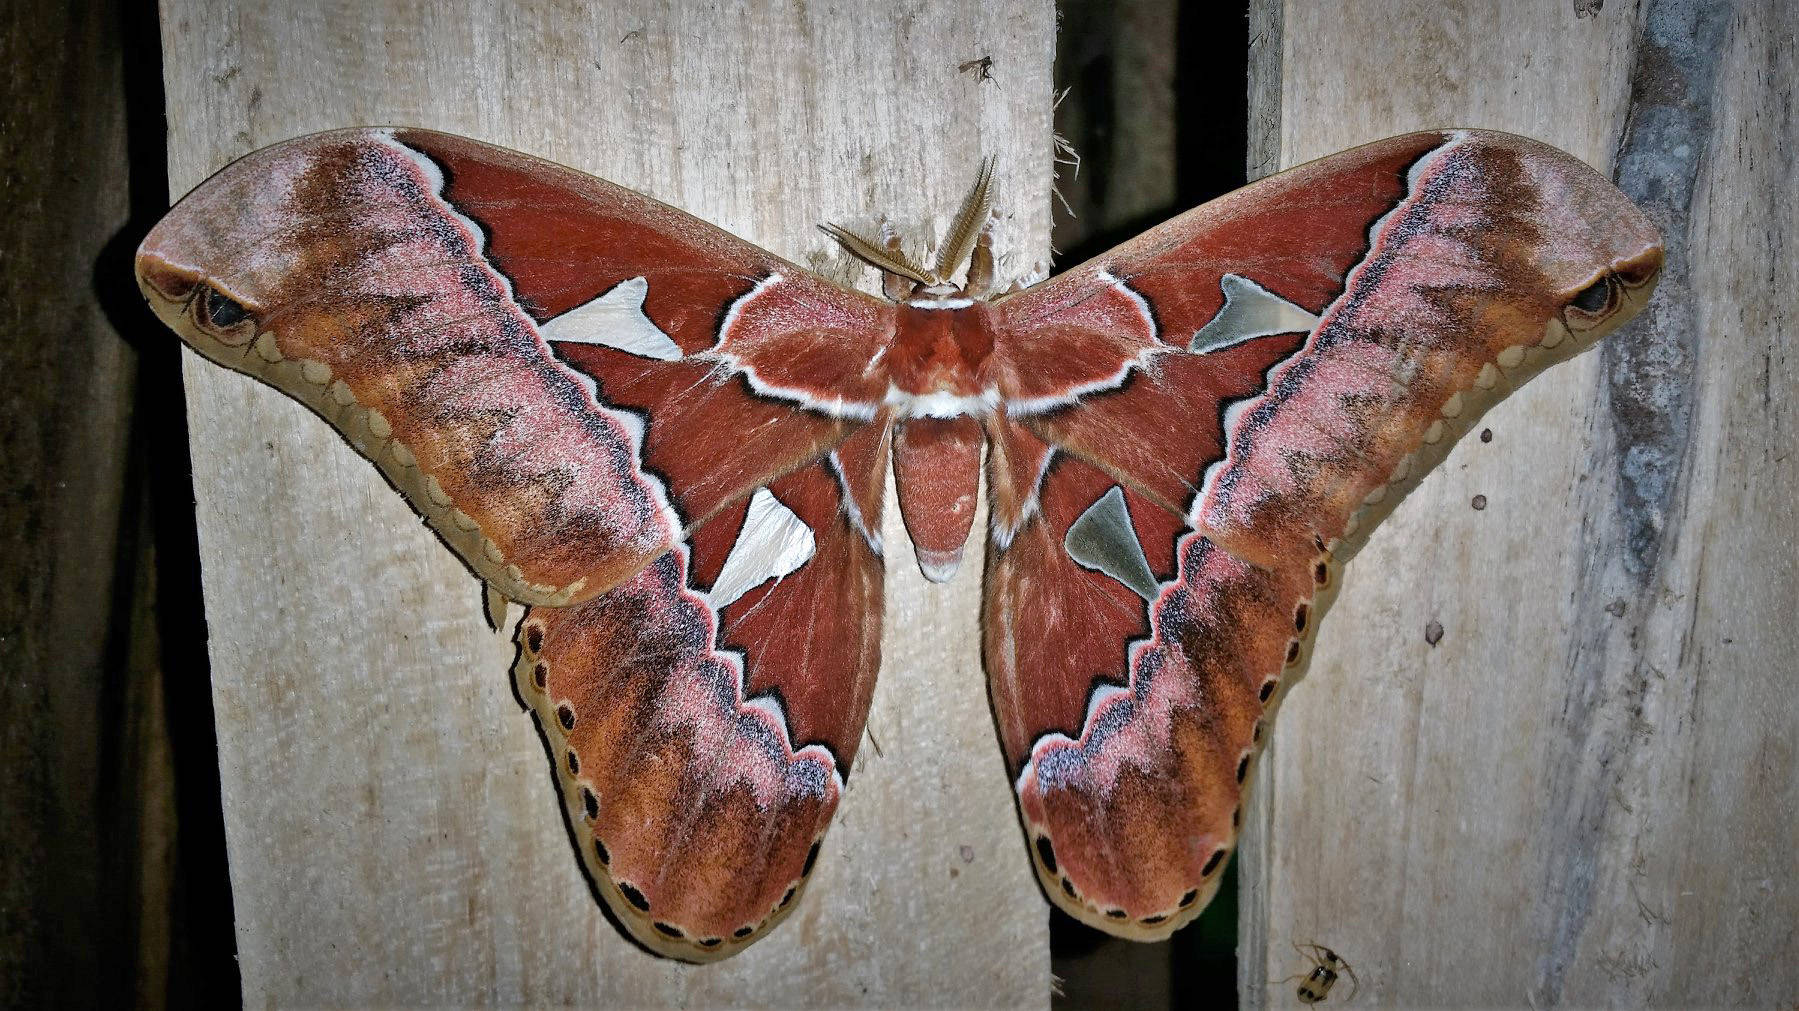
(969, 220)
(876, 255)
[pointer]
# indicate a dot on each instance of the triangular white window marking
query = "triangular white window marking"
(1249, 311)
(1103, 539)
(615, 320)
(772, 543)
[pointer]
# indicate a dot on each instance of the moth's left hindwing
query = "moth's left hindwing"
(702, 716)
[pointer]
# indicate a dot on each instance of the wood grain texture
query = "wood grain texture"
(392, 822)
(1584, 793)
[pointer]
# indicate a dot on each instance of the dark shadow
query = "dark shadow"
(1211, 158)
(159, 496)
(1197, 966)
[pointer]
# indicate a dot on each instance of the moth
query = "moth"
(671, 446)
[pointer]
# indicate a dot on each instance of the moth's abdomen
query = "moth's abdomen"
(937, 475)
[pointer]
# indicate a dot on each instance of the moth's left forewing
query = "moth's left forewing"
(1301, 354)
(562, 376)
(1505, 257)
(741, 365)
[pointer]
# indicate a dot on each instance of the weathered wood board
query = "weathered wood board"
(1586, 793)
(394, 835)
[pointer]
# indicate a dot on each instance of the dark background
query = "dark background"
(113, 877)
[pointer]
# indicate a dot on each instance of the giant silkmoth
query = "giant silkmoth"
(672, 446)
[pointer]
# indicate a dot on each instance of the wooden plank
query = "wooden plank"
(393, 830)
(1584, 795)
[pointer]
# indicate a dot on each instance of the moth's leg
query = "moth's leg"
(980, 265)
(1355, 985)
(896, 287)
(494, 605)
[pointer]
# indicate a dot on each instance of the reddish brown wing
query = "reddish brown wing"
(564, 377)
(1204, 424)
(703, 716)
(666, 440)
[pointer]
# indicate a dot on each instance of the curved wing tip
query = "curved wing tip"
(672, 940)
(1116, 922)
(1111, 918)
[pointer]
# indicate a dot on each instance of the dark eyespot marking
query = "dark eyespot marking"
(711, 942)
(1046, 853)
(1293, 651)
(565, 715)
(1116, 914)
(574, 764)
(785, 899)
(1150, 921)
(1255, 735)
(742, 932)
(1268, 689)
(811, 859)
(1237, 818)
(1068, 888)
(221, 311)
(534, 638)
(1300, 614)
(634, 897)
(1321, 573)
(1243, 764)
(605, 855)
(1595, 297)
(1190, 898)
(668, 929)
(1212, 863)
(540, 676)
(589, 802)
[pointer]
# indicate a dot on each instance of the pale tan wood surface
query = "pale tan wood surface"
(394, 834)
(1586, 793)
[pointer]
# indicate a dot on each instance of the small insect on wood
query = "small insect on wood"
(1327, 968)
(982, 68)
